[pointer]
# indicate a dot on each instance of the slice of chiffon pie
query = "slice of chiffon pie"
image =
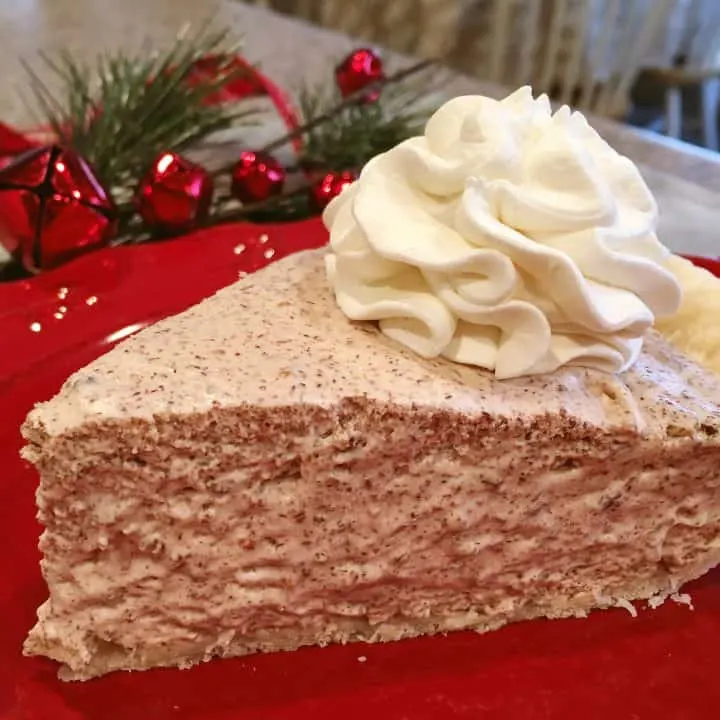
(458, 416)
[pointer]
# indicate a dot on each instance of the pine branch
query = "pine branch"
(120, 114)
(323, 109)
(342, 136)
(351, 101)
(349, 138)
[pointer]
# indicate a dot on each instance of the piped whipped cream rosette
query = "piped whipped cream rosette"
(505, 237)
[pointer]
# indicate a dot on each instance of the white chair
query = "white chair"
(583, 52)
(688, 55)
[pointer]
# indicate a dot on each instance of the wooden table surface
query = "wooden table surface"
(685, 179)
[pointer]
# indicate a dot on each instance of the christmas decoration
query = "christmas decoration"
(123, 113)
(330, 186)
(130, 113)
(174, 196)
(54, 208)
(361, 68)
(257, 176)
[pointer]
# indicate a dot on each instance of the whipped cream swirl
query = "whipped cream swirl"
(506, 237)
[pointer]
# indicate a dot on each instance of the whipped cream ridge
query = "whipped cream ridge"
(505, 237)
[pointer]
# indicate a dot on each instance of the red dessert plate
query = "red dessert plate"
(661, 665)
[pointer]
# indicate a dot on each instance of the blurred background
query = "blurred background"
(652, 63)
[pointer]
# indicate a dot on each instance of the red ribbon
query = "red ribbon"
(12, 143)
(250, 83)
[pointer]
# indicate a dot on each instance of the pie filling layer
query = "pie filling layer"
(211, 487)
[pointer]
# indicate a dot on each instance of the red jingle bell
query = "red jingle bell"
(330, 186)
(358, 70)
(257, 176)
(174, 196)
(53, 208)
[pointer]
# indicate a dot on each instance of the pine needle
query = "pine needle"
(123, 111)
(361, 130)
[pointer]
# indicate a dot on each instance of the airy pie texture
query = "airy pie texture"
(505, 237)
